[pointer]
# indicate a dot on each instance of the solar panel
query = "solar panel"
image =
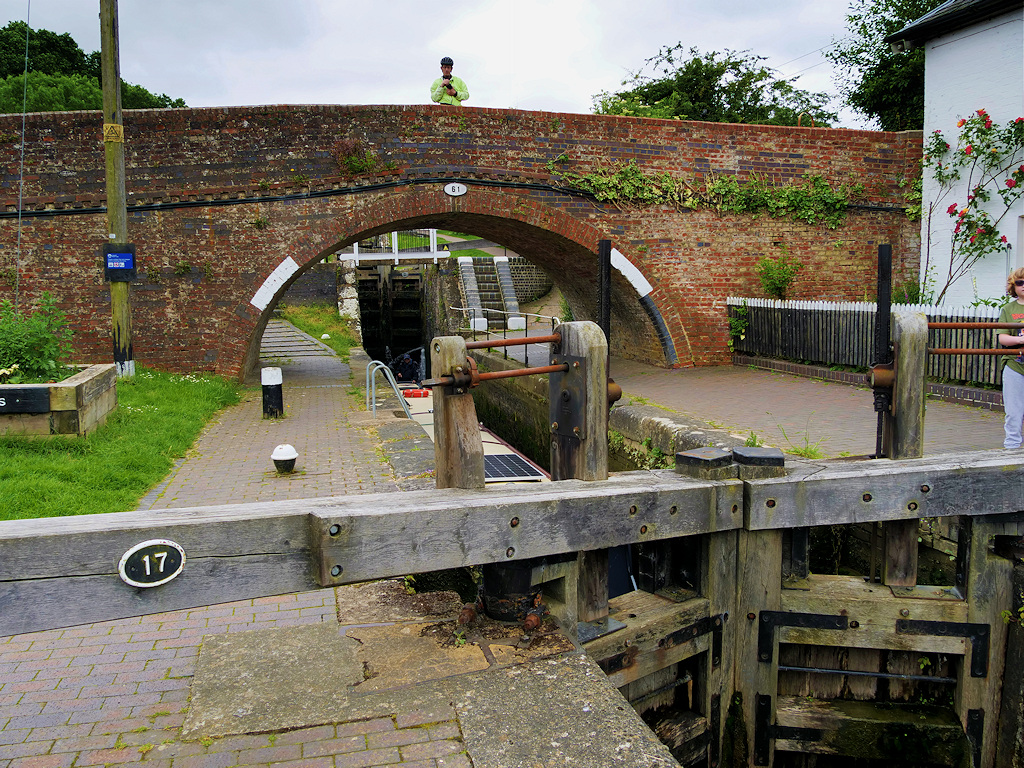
(509, 468)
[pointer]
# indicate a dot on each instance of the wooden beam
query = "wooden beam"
(63, 571)
(823, 493)
(910, 342)
(988, 594)
(759, 587)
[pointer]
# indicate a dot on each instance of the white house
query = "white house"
(974, 59)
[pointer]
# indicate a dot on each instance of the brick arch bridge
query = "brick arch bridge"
(227, 206)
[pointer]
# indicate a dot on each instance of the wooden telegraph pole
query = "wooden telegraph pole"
(117, 214)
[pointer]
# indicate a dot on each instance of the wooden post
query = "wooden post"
(579, 439)
(458, 449)
(117, 212)
(756, 679)
(910, 339)
(988, 593)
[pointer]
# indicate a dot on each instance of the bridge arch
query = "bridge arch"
(561, 245)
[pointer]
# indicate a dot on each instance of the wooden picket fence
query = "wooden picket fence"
(843, 332)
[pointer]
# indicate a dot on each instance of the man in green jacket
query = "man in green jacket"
(448, 89)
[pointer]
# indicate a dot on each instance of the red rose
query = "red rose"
(967, 149)
(952, 209)
(1011, 183)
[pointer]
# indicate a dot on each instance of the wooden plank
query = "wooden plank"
(458, 448)
(572, 457)
(377, 536)
(989, 593)
(823, 493)
(875, 610)
(32, 606)
(640, 648)
(863, 730)
(759, 588)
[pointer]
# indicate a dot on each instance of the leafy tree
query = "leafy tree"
(50, 93)
(61, 75)
(874, 81)
(47, 52)
(728, 87)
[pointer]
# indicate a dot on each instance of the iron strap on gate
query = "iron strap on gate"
(978, 634)
(769, 620)
(765, 731)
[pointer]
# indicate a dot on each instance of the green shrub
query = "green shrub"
(777, 275)
(38, 344)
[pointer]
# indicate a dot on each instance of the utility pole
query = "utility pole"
(117, 214)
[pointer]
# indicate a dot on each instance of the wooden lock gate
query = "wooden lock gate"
(730, 618)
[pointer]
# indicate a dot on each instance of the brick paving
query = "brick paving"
(116, 693)
(792, 412)
(324, 420)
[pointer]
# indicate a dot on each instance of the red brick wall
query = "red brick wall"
(245, 155)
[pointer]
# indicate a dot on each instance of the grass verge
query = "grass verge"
(318, 319)
(159, 416)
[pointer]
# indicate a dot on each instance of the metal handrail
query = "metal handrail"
(371, 382)
(555, 321)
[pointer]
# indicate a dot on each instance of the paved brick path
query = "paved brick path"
(324, 421)
(793, 412)
(115, 693)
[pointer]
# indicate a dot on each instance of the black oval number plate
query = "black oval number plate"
(151, 563)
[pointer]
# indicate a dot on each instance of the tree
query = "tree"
(62, 77)
(874, 81)
(50, 93)
(47, 52)
(727, 87)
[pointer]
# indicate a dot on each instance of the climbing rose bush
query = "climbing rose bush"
(988, 158)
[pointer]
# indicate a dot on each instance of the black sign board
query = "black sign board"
(151, 563)
(118, 262)
(24, 399)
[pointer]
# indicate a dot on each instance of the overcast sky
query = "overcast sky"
(551, 55)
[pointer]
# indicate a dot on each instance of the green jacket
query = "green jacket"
(1013, 312)
(440, 95)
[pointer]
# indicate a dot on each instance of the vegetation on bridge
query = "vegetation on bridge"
(811, 201)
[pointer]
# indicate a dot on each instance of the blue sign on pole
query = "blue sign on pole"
(119, 262)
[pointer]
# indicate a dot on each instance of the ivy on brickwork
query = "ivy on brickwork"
(811, 200)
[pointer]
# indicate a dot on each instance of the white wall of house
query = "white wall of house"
(979, 67)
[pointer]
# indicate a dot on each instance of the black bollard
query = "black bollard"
(273, 397)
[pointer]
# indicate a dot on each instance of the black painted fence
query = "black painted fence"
(842, 333)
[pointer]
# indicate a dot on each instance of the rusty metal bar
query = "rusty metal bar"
(975, 351)
(473, 378)
(974, 326)
(554, 338)
(522, 372)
